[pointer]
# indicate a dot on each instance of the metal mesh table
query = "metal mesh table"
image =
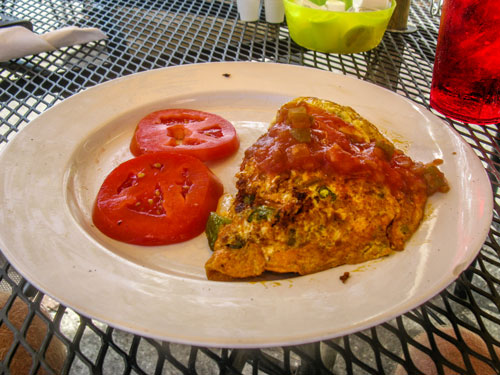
(148, 34)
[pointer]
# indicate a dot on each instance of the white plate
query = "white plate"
(51, 171)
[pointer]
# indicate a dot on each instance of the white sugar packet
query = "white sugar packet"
(370, 4)
(331, 5)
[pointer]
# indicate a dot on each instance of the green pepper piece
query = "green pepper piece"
(260, 213)
(238, 243)
(324, 192)
(301, 134)
(435, 180)
(386, 147)
(298, 118)
(248, 199)
(292, 237)
(214, 223)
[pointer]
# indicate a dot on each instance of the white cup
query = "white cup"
(275, 11)
(249, 10)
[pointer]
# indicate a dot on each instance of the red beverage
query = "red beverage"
(466, 78)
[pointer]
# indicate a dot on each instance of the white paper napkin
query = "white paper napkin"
(18, 41)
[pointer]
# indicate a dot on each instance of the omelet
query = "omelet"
(321, 188)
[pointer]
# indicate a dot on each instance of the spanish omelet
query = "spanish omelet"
(322, 188)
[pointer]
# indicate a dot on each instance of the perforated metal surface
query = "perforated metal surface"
(150, 34)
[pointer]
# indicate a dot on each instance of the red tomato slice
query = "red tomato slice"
(201, 134)
(156, 199)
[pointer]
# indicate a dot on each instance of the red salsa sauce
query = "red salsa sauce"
(306, 137)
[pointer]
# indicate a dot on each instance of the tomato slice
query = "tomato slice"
(156, 199)
(204, 135)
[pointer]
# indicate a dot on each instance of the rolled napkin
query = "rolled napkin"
(18, 41)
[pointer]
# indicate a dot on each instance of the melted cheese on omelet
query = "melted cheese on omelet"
(307, 220)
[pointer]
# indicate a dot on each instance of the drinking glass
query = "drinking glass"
(466, 77)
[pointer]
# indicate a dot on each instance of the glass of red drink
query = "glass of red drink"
(466, 78)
